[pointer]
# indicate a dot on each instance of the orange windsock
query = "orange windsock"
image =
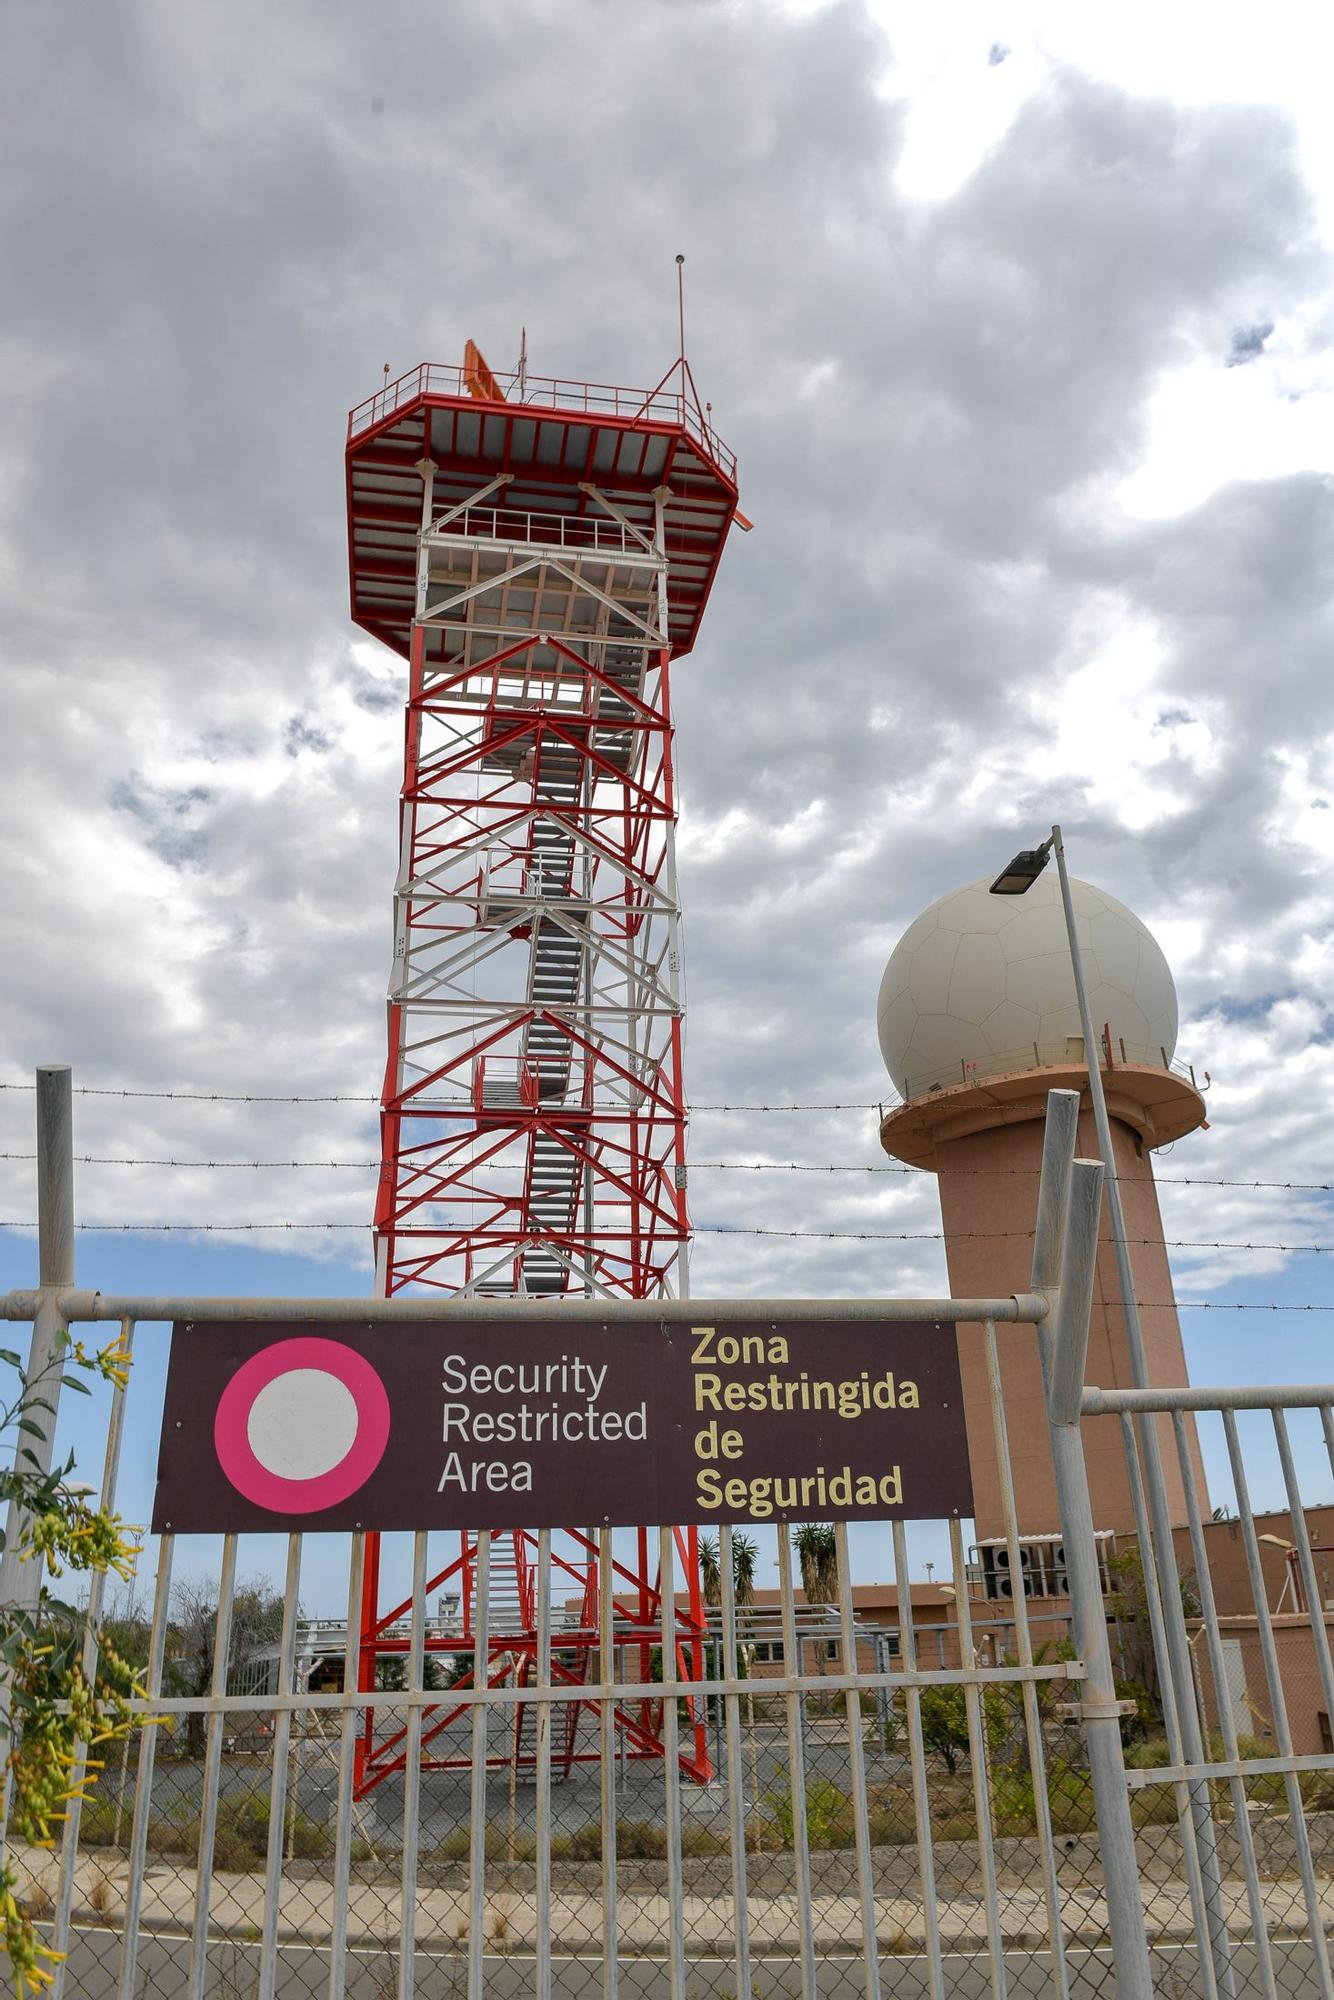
(477, 377)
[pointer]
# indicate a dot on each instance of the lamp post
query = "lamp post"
(1167, 1615)
(1014, 880)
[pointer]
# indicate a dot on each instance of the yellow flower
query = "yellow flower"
(114, 1362)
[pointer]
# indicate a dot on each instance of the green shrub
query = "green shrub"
(828, 1815)
(97, 1822)
(1149, 1754)
(1247, 1746)
(1156, 1805)
(241, 1840)
(641, 1840)
(1071, 1797)
(892, 1826)
(497, 1845)
(1012, 1805)
(584, 1844)
(242, 1837)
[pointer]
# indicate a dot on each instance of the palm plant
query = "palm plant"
(817, 1554)
(745, 1555)
(710, 1573)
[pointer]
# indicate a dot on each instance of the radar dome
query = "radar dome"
(980, 984)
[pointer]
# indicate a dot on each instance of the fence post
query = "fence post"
(20, 1583)
(1064, 1343)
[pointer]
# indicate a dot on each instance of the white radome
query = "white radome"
(978, 978)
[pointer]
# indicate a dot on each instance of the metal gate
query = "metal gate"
(917, 1788)
(1233, 1801)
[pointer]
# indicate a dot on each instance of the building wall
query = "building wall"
(1299, 1675)
(988, 1193)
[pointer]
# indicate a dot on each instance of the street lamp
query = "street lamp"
(1166, 1615)
(1022, 872)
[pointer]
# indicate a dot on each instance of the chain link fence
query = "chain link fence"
(942, 1810)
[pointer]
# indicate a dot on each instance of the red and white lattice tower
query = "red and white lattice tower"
(540, 552)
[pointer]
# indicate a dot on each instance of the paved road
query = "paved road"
(303, 1974)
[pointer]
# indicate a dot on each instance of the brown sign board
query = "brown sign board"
(550, 1421)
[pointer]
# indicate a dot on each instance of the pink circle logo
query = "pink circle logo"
(301, 1425)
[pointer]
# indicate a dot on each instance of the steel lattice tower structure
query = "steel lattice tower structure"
(540, 552)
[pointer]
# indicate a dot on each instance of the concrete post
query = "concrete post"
(21, 1582)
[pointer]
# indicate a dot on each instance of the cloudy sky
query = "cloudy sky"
(1019, 319)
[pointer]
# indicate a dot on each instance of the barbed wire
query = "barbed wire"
(720, 1229)
(465, 1103)
(213, 1096)
(696, 1166)
(1145, 1305)
(987, 1236)
(137, 1160)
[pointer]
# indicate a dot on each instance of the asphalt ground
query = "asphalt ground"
(303, 1973)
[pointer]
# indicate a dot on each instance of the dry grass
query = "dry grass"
(38, 1897)
(500, 1924)
(103, 1895)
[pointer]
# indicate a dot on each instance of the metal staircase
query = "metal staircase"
(560, 971)
(511, 1593)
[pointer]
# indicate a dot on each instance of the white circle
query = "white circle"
(980, 982)
(302, 1424)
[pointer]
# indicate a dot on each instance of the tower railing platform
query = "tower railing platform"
(597, 399)
(1158, 1099)
(1040, 1055)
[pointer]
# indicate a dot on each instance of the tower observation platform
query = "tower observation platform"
(540, 552)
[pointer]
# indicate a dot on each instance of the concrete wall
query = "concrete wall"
(988, 1192)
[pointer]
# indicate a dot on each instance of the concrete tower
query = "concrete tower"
(978, 1020)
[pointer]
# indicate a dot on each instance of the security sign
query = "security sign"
(462, 1423)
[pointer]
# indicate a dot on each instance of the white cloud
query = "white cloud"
(1210, 423)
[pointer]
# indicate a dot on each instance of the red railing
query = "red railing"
(548, 392)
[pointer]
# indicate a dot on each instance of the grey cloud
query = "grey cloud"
(170, 818)
(301, 735)
(1248, 343)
